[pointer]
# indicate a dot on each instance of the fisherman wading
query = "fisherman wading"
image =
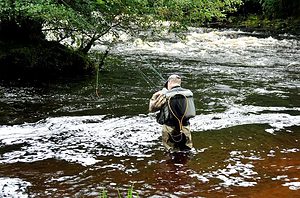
(176, 106)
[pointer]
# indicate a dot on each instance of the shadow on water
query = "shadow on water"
(179, 157)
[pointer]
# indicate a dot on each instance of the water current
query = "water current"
(64, 141)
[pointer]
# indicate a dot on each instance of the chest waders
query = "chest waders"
(181, 107)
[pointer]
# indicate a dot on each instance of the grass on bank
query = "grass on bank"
(130, 194)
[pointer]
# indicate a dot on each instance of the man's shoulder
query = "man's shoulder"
(179, 90)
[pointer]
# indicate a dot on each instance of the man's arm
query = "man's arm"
(156, 101)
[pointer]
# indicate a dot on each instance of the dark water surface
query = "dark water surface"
(64, 141)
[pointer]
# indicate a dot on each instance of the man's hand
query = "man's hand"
(156, 101)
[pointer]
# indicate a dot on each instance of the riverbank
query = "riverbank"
(259, 23)
(42, 61)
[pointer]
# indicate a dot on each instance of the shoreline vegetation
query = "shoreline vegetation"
(130, 193)
(26, 55)
(259, 23)
(39, 61)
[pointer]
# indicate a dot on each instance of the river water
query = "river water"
(64, 141)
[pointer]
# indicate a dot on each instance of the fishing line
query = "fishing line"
(149, 81)
(97, 82)
(101, 63)
(161, 77)
(144, 76)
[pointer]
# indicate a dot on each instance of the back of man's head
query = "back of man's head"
(174, 79)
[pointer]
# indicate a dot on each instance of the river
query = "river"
(64, 141)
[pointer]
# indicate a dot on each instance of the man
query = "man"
(176, 107)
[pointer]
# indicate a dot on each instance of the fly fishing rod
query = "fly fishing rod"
(153, 69)
(148, 80)
(111, 27)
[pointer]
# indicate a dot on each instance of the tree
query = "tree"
(27, 25)
(274, 8)
(85, 21)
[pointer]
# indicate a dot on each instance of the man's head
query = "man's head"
(173, 80)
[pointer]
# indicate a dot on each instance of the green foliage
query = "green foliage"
(190, 11)
(104, 194)
(272, 25)
(86, 21)
(277, 8)
(270, 7)
(20, 9)
(130, 194)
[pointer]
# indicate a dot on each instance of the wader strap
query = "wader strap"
(179, 120)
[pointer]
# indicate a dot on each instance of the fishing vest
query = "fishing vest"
(179, 106)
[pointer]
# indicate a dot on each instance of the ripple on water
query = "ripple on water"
(235, 173)
(84, 139)
(79, 140)
(292, 185)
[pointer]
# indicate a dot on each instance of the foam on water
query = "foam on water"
(13, 187)
(226, 70)
(292, 185)
(236, 173)
(216, 46)
(240, 115)
(80, 139)
(84, 139)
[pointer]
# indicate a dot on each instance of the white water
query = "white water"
(213, 46)
(235, 55)
(84, 139)
(13, 187)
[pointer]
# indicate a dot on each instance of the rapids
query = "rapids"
(64, 141)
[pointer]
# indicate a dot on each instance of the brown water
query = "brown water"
(64, 141)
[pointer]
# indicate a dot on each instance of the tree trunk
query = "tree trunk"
(85, 49)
